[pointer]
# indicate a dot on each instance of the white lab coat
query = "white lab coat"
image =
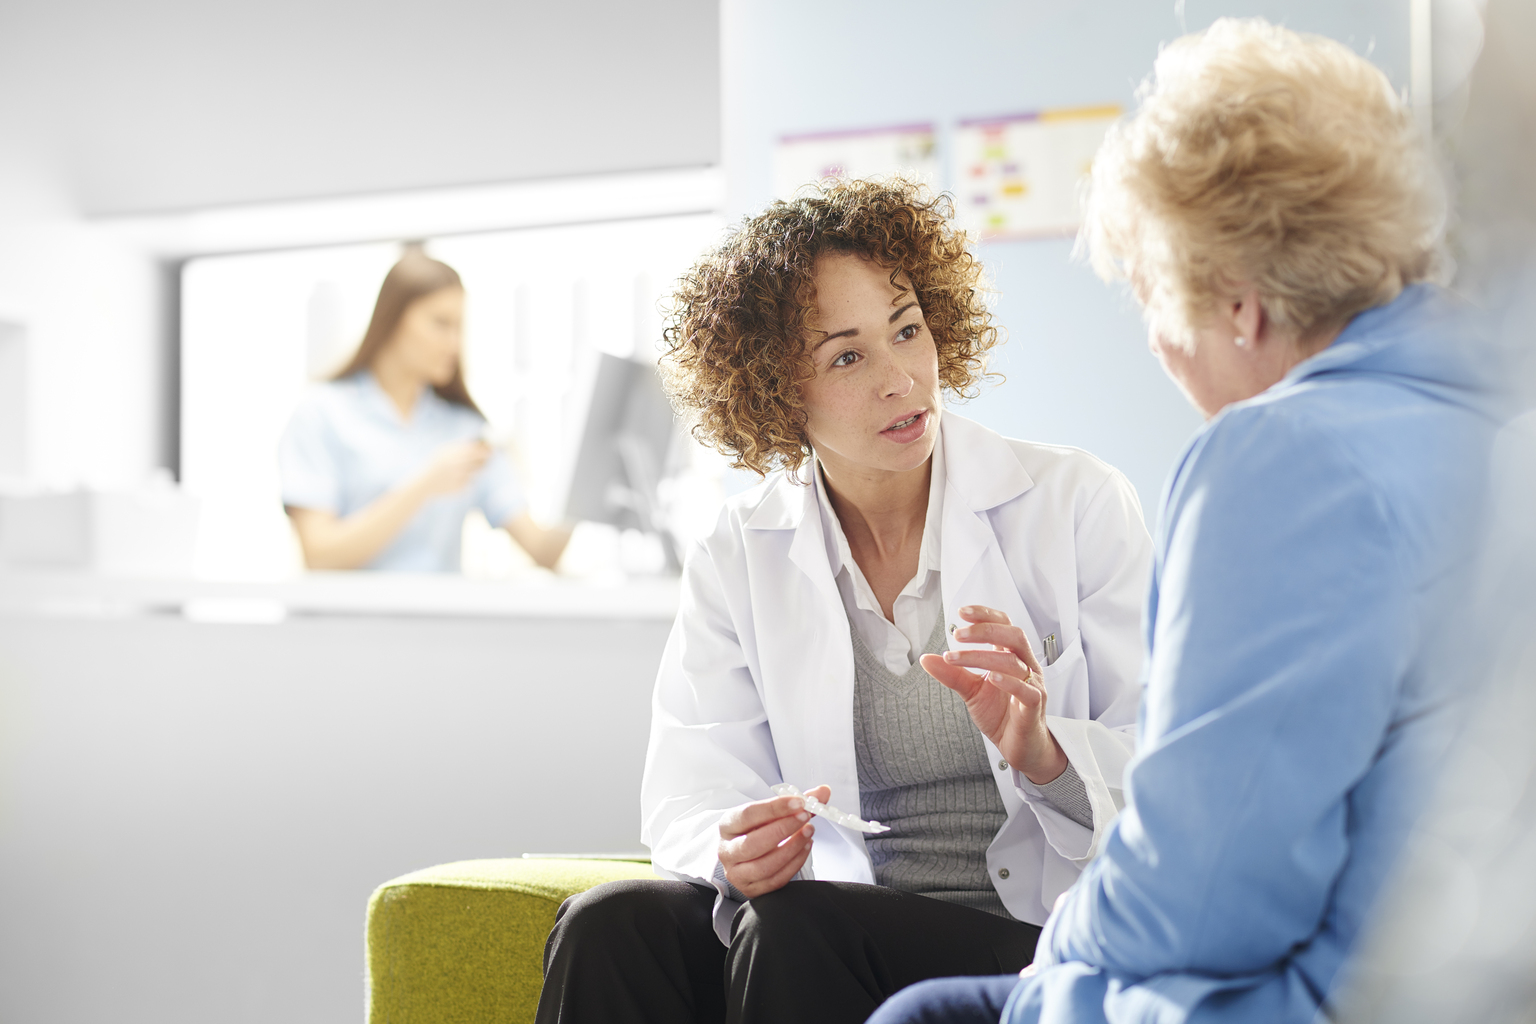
(756, 683)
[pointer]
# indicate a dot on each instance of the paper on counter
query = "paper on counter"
(831, 813)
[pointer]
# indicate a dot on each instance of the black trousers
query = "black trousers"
(646, 951)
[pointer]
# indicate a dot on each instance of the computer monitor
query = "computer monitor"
(627, 443)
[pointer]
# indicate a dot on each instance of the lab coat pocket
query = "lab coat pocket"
(1066, 682)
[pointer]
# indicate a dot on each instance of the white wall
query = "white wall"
(13, 400)
(1077, 365)
(192, 816)
(169, 104)
(92, 313)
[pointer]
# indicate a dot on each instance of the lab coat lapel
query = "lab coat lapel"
(981, 472)
(804, 649)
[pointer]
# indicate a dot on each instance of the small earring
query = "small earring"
(1239, 341)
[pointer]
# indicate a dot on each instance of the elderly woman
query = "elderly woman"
(1276, 213)
(821, 339)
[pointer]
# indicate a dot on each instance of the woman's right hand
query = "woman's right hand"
(765, 843)
(453, 467)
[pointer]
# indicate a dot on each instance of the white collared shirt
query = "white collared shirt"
(920, 603)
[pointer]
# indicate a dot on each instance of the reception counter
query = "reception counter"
(427, 595)
(200, 783)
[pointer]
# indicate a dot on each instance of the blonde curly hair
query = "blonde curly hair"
(1263, 157)
(735, 344)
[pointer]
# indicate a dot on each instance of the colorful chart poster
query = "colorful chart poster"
(905, 149)
(1019, 176)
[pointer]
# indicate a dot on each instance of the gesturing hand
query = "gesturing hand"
(1006, 698)
(763, 844)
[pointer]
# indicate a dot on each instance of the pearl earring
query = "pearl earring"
(1239, 342)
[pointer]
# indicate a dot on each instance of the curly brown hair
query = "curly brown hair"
(736, 350)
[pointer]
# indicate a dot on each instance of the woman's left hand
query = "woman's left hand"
(1006, 698)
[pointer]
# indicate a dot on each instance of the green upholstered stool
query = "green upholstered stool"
(464, 943)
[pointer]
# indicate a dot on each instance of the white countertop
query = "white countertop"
(337, 593)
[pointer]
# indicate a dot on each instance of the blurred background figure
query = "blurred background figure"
(1456, 941)
(381, 464)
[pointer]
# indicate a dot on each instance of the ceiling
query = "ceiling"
(178, 104)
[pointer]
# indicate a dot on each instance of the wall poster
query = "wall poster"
(1018, 176)
(801, 159)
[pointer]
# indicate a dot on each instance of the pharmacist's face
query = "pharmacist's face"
(874, 402)
(429, 339)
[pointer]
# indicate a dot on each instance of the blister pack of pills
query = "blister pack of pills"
(831, 813)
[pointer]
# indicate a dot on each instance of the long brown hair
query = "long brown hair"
(416, 275)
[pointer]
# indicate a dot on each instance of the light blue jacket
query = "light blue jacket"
(1310, 549)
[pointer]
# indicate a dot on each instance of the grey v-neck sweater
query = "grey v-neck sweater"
(923, 771)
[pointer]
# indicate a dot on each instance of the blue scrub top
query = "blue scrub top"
(347, 444)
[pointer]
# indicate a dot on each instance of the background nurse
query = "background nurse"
(381, 464)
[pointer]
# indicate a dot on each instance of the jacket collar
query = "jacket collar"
(980, 469)
(1368, 333)
(1425, 340)
(980, 464)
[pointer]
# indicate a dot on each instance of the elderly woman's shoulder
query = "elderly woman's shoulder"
(1271, 428)
(1261, 454)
